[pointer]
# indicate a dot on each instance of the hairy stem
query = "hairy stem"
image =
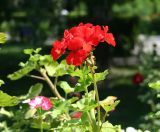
(49, 82)
(41, 120)
(97, 96)
(91, 63)
(37, 77)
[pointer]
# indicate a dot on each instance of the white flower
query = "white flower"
(131, 129)
(64, 12)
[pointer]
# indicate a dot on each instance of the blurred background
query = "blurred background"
(132, 63)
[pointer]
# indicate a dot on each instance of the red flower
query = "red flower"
(76, 115)
(137, 78)
(80, 41)
(76, 43)
(76, 57)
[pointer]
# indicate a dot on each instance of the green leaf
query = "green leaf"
(30, 113)
(108, 127)
(54, 69)
(86, 103)
(3, 38)
(7, 100)
(65, 86)
(101, 76)
(36, 124)
(6, 113)
(1, 82)
(109, 103)
(158, 95)
(155, 85)
(34, 91)
(51, 68)
(63, 69)
(22, 72)
(37, 50)
(84, 80)
(28, 51)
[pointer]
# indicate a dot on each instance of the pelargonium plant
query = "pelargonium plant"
(63, 112)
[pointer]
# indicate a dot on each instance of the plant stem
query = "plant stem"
(103, 120)
(91, 63)
(97, 96)
(41, 120)
(52, 86)
(37, 77)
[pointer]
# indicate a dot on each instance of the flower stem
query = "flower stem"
(97, 96)
(41, 120)
(91, 64)
(37, 77)
(52, 86)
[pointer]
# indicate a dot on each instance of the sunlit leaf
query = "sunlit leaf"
(86, 103)
(1, 82)
(101, 76)
(108, 127)
(36, 124)
(65, 86)
(34, 91)
(37, 50)
(7, 100)
(22, 72)
(109, 103)
(30, 113)
(3, 38)
(6, 113)
(28, 51)
(155, 85)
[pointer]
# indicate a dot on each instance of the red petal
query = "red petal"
(56, 53)
(109, 38)
(75, 43)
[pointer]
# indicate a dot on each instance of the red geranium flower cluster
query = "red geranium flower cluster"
(80, 41)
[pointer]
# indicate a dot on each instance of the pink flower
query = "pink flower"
(40, 101)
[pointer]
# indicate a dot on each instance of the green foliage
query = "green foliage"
(65, 86)
(109, 103)
(7, 100)
(3, 38)
(29, 66)
(86, 103)
(101, 76)
(30, 113)
(1, 82)
(32, 31)
(37, 61)
(34, 91)
(155, 85)
(60, 117)
(80, 10)
(6, 113)
(137, 8)
(108, 127)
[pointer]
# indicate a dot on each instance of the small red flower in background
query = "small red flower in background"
(40, 101)
(137, 78)
(76, 115)
(80, 41)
